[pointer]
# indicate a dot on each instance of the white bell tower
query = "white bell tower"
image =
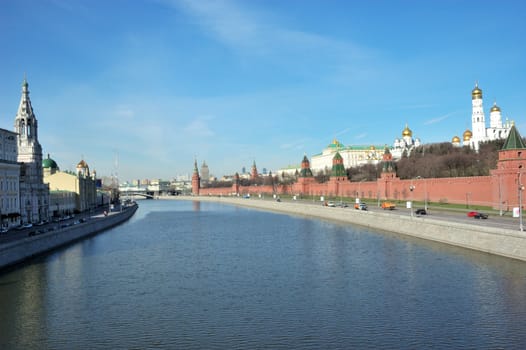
(478, 121)
(34, 194)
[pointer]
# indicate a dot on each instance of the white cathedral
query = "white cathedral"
(497, 129)
(24, 196)
(405, 144)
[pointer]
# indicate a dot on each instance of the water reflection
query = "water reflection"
(23, 307)
(202, 275)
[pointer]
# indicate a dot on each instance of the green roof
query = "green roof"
(338, 169)
(49, 163)
(514, 140)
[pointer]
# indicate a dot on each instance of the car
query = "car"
(421, 211)
(360, 206)
(388, 205)
(481, 216)
(330, 204)
(477, 215)
(342, 205)
(3, 230)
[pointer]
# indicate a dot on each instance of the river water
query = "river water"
(190, 275)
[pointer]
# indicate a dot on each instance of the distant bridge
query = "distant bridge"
(140, 194)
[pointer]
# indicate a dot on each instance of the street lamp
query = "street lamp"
(500, 197)
(411, 188)
(520, 189)
(467, 199)
(425, 192)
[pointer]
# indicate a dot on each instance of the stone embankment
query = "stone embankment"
(23, 249)
(491, 240)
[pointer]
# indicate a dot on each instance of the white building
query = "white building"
(34, 194)
(405, 144)
(82, 185)
(481, 133)
(9, 179)
(353, 156)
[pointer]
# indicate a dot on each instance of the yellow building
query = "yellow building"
(81, 183)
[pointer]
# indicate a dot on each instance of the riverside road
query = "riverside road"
(506, 221)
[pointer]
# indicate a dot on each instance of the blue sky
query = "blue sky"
(153, 84)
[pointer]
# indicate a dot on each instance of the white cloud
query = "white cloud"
(438, 119)
(294, 145)
(199, 127)
(361, 136)
(124, 112)
(342, 132)
(256, 32)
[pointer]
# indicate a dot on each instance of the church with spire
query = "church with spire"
(480, 132)
(34, 193)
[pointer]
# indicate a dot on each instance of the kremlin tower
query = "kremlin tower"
(196, 181)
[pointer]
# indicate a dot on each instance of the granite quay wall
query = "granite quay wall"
(23, 249)
(508, 243)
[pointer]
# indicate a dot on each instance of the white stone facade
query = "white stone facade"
(9, 180)
(34, 194)
(353, 156)
(405, 144)
(497, 129)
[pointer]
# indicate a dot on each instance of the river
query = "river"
(191, 275)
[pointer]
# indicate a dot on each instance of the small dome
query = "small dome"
(467, 135)
(49, 163)
(476, 93)
(82, 165)
(372, 148)
(495, 108)
(407, 132)
(335, 144)
(455, 139)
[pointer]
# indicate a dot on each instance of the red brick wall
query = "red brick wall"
(499, 190)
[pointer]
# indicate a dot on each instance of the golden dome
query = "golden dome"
(407, 132)
(495, 108)
(82, 164)
(467, 135)
(372, 148)
(455, 139)
(476, 93)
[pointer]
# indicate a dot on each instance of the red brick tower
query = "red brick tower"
(196, 181)
(305, 178)
(388, 175)
(338, 175)
(509, 177)
(235, 185)
(254, 172)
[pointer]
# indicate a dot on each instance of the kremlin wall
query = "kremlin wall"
(499, 190)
